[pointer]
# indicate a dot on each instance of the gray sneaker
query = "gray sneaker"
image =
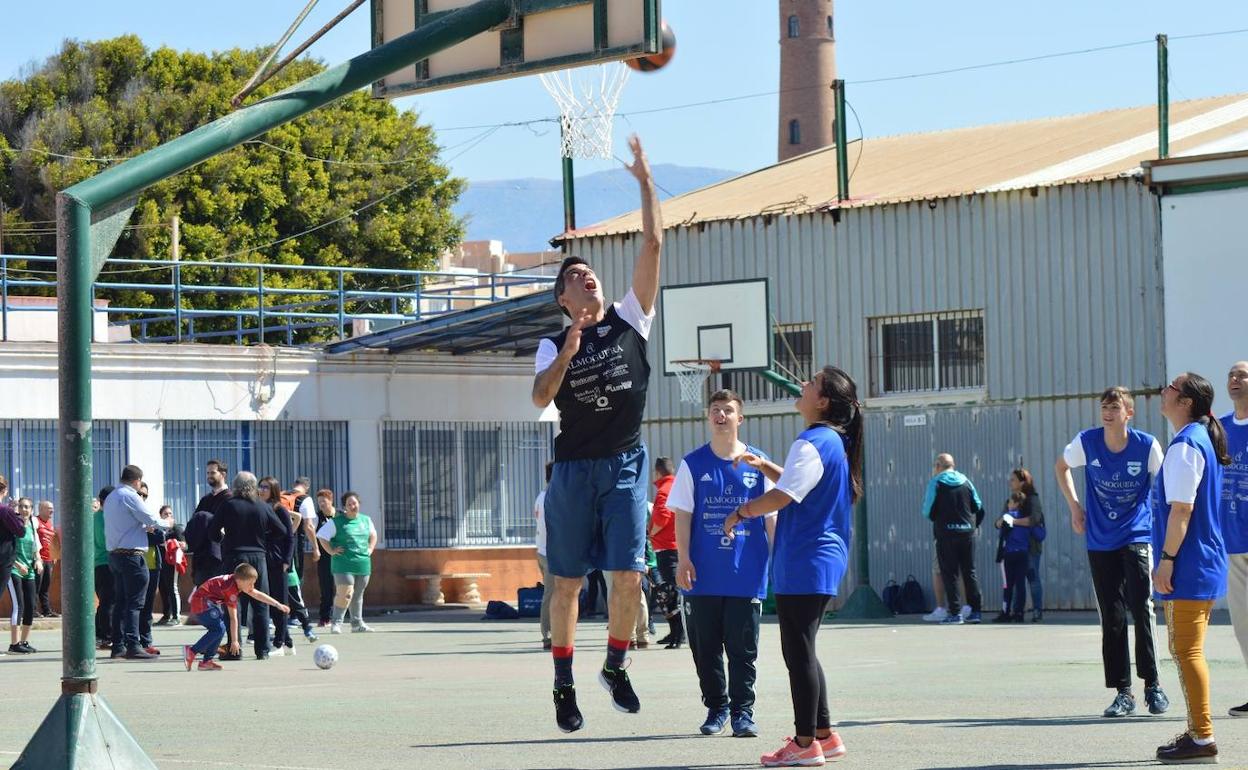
(1123, 705)
(1157, 701)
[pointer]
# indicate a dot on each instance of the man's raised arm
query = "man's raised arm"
(646, 271)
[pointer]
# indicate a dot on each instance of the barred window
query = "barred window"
(453, 484)
(795, 27)
(928, 352)
(793, 347)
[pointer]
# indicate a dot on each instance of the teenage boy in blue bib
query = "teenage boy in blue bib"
(1116, 516)
(723, 579)
(596, 373)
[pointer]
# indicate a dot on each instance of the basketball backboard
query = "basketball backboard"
(541, 36)
(728, 322)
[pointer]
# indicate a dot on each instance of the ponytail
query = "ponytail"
(1217, 437)
(1200, 392)
(844, 414)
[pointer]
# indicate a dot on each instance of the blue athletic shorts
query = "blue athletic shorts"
(596, 514)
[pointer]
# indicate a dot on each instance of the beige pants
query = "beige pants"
(1237, 598)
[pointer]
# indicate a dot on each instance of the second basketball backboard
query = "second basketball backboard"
(727, 322)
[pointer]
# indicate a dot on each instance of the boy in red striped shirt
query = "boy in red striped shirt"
(206, 603)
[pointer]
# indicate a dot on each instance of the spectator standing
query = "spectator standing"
(49, 554)
(170, 600)
(206, 551)
(324, 571)
(956, 511)
(548, 585)
(245, 525)
(662, 534)
(22, 579)
(126, 524)
(103, 576)
(153, 557)
(350, 539)
(280, 563)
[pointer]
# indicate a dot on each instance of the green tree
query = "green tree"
(115, 98)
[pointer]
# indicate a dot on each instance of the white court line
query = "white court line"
(216, 764)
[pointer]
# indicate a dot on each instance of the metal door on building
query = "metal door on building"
(902, 444)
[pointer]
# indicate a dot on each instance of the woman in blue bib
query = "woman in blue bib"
(1189, 553)
(815, 493)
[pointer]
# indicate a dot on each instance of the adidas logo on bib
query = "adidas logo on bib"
(707, 477)
(1096, 463)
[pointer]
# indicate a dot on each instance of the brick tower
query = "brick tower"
(807, 69)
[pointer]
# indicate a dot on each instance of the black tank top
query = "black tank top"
(603, 394)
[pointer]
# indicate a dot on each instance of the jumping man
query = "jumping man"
(596, 372)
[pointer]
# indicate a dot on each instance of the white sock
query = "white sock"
(1202, 741)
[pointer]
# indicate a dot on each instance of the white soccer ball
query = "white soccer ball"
(325, 656)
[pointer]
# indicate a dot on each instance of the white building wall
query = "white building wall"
(364, 449)
(1205, 247)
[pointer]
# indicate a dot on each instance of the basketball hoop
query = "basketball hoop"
(691, 374)
(587, 98)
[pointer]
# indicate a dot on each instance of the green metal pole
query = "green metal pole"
(1163, 98)
(842, 152)
(81, 731)
(74, 467)
(569, 197)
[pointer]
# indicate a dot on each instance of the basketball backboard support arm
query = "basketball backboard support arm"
(80, 730)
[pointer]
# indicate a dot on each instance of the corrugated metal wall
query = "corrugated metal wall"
(285, 449)
(1069, 281)
(462, 483)
(28, 456)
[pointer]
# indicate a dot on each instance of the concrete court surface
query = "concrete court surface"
(448, 690)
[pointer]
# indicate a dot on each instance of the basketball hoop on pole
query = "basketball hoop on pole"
(587, 98)
(691, 373)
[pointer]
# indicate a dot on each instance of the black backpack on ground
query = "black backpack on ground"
(911, 600)
(892, 597)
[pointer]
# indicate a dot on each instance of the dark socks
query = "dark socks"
(616, 648)
(563, 665)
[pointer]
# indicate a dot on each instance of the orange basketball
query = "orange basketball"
(659, 60)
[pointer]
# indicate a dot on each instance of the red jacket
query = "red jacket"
(45, 530)
(665, 538)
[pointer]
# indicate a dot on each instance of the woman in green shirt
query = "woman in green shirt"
(26, 566)
(350, 539)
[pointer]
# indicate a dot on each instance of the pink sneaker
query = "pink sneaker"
(188, 656)
(833, 746)
(792, 755)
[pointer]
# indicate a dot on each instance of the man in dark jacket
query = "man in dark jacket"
(11, 528)
(205, 551)
(248, 525)
(955, 510)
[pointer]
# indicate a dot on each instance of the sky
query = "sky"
(728, 49)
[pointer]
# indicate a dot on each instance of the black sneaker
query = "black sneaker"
(1003, 617)
(17, 649)
(615, 681)
(1183, 750)
(1123, 705)
(1157, 701)
(567, 715)
(138, 653)
(1239, 711)
(230, 656)
(26, 648)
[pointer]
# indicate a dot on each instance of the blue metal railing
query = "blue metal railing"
(275, 309)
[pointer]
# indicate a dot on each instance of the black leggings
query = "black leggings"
(22, 596)
(800, 616)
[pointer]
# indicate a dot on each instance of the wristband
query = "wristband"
(1166, 557)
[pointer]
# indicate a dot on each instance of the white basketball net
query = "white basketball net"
(587, 98)
(691, 375)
